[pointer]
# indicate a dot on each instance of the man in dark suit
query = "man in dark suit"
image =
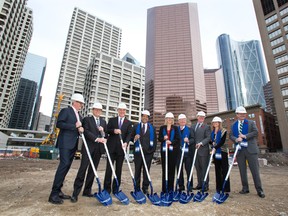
(146, 133)
(116, 126)
(69, 123)
(244, 133)
(93, 125)
(200, 137)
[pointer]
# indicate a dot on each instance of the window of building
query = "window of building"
(282, 69)
(272, 26)
(281, 2)
(278, 49)
(285, 19)
(281, 59)
(276, 41)
(275, 33)
(284, 92)
(284, 80)
(286, 103)
(267, 6)
(271, 18)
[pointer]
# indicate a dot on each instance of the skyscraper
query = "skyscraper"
(23, 106)
(174, 67)
(15, 35)
(215, 91)
(110, 80)
(87, 35)
(34, 70)
(244, 71)
(272, 18)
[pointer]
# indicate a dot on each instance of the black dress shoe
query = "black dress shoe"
(74, 199)
(145, 191)
(244, 191)
(55, 200)
(261, 194)
(63, 196)
(206, 189)
(197, 188)
(88, 195)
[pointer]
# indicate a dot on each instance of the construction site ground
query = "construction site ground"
(26, 184)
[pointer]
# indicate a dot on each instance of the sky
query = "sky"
(51, 21)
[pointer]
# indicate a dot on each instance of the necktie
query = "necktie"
(120, 123)
(197, 126)
(143, 128)
(240, 127)
(97, 122)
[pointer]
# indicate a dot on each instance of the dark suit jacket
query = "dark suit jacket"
(91, 133)
(251, 136)
(113, 142)
(202, 134)
(68, 135)
(145, 139)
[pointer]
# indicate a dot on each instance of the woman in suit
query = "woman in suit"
(218, 138)
(169, 134)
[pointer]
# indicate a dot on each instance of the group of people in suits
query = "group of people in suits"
(174, 139)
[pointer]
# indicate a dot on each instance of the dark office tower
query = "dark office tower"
(34, 69)
(269, 98)
(272, 18)
(15, 35)
(244, 71)
(174, 68)
(23, 105)
(215, 91)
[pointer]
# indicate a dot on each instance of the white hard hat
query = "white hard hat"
(240, 109)
(145, 112)
(77, 97)
(97, 105)
(201, 113)
(216, 119)
(122, 106)
(169, 115)
(181, 116)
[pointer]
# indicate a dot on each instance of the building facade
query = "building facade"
(34, 70)
(215, 91)
(110, 80)
(15, 36)
(174, 66)
(244, 71)
(23, 106)
(272, 18)
(87, 35)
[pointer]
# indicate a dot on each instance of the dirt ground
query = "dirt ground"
(26, 184)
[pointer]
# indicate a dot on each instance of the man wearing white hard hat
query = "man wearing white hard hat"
(117, 125)
(94, 129)
(200, 137)
(70, 124)
(144, 132)
(244, 133)
(169, 134)
(185, 136)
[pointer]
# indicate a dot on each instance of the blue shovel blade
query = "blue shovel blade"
(139, 196)
(166, 199)
(155, 199)
(176, 196)
(185, 198)
(122, 197)
(199, 197)
(103, 197)
(220, 198)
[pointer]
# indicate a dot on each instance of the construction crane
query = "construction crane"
(51, 138)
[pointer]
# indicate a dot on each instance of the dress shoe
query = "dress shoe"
(145, 191)
(244, 191)
(88, 195)
(74, 199)
(261, 194)
(64, 196)
(55, 200)
(197, 188)
(206, 189)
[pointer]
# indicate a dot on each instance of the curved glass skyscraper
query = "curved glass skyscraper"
(243, 70)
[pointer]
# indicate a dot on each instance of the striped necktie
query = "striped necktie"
(241, 127)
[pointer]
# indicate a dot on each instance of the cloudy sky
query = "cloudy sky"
(52, 18)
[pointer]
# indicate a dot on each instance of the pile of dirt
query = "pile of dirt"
(276, 159)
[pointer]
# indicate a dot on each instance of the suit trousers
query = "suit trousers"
(139, 165)
(66, 159)
(201, 165)
(253, 163)
(85, 163)
(108, 174)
